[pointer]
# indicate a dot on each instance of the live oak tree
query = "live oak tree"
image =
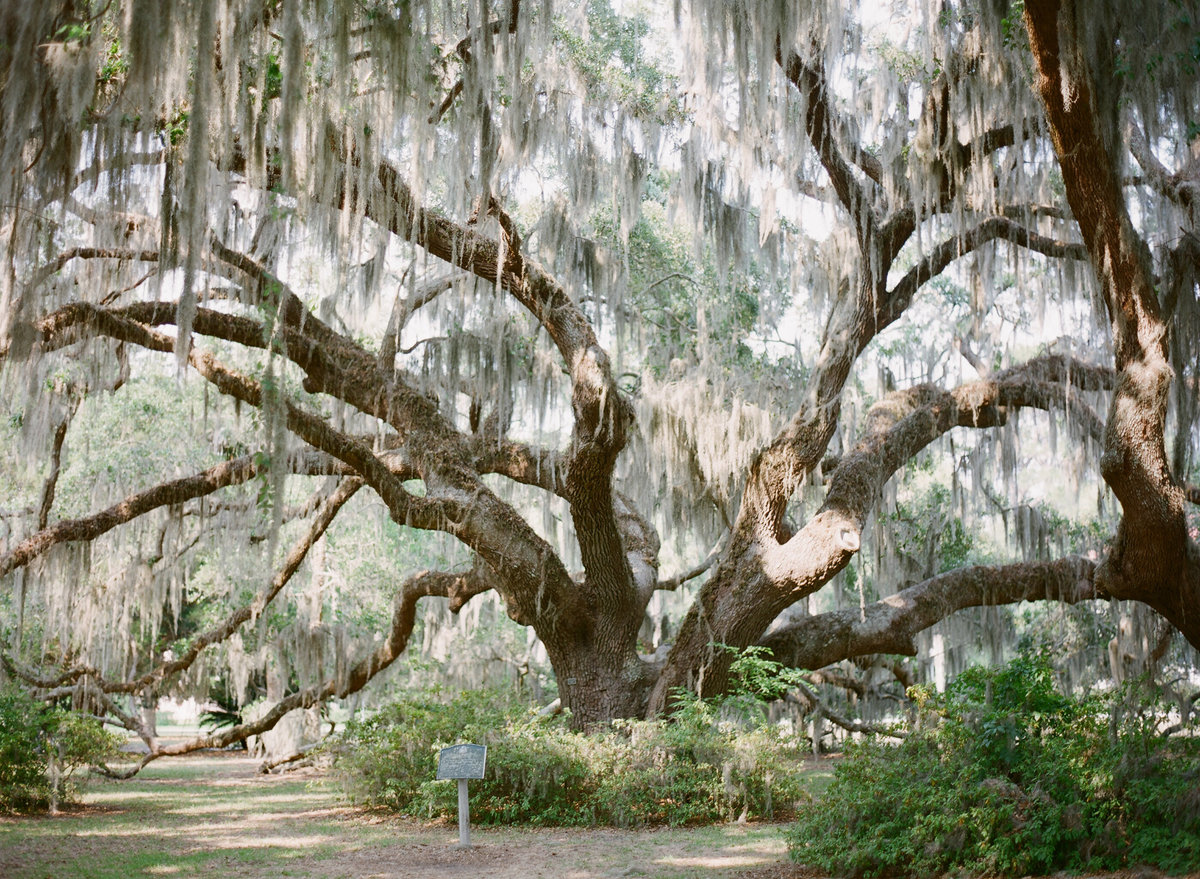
(525, 274)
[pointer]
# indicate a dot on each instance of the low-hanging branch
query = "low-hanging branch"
(222, 475)
(811, 701)
(345, 490)
(891, 624)
(228, 473)
(79, 318)
(333, 504)
(457, 587)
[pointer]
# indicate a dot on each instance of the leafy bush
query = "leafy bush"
(1005, 775)
(537, 774)
(41, 748)
(384, 760)
(697, 767)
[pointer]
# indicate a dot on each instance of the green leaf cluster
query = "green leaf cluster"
(41, 747)
(684, 305)
(614, 63)
(929, 533)
(1005, 775)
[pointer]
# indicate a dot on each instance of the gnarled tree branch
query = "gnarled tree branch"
(459, 588)
(890, 625)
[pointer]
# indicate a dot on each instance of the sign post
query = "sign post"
(462, 762)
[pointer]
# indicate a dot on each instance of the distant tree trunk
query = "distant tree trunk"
(149, 706)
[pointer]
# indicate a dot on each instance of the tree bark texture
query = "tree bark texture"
(1151, 558)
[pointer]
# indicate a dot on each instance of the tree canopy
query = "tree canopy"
(680, 327)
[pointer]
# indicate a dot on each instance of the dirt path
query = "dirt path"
(215, 816)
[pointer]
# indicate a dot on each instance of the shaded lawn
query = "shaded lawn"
(213, 815)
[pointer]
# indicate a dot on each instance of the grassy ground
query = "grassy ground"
(215, 816)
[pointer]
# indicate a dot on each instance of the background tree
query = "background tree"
(545, 288)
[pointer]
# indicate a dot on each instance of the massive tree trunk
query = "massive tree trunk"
(1151, 558)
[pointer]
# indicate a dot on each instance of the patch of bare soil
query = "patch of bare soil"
(560, 854)
(217, 816)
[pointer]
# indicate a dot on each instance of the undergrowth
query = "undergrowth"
(1004, 775)
(41, 749)
(712, 761)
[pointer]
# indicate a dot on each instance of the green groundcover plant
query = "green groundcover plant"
(1003, 774)
(41, 748)
(713, 761)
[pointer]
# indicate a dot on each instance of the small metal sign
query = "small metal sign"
(462, 761)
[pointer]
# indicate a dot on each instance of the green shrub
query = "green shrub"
(384, 760)
(696, 767)
(537, 774)
(1005, 775)
(41, 748)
